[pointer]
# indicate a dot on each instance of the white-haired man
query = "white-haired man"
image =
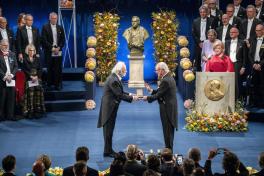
(112, 96)
(166, 96)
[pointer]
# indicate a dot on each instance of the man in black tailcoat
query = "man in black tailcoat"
(7, 33)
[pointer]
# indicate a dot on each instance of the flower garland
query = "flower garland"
(165, 28)
(203, 122)
(106, 27)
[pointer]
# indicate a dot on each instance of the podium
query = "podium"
(215, 92)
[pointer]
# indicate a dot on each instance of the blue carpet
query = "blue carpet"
(60, 133)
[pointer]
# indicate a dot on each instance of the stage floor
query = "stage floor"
(60, 133)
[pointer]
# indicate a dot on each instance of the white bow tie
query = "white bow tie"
(29, 28)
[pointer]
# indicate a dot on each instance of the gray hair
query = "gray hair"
(3, 19)
(212, 31)
(251, 7)
(30, 46)
(203, 7)
(52, 14)
(118, 67)
(28, 15)
(163, 66)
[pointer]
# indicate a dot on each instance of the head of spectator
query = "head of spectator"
(80, 168)
(258, 3)
(30, 51)
(259, 30)
(153, 162)
(225, 19)
(212, 4)
(161, 69)
(251, 11)
(4, 46)
(38, 168)
(237, 2)
(230, 163)
(194, 154)
(9, 163)
(230, 9)
(218, 48)
(166, 155)
(21, 21)
(53, 18)
(120, 69)
(198, 172)
(82, 154)
(150, 172)
(234, 33)
(46, 161)
(131, 152)
(211, 35)
(3, 22)
(29, 20)
(203, 10)
(117, 166)
(188, 166)
(261, 160)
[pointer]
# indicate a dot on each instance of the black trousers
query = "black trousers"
(197, 56)
(54, 66)
(257, 91)
(108, 130)
(168, 128)
(7, 102)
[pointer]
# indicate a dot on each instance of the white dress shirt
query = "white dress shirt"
(231, 20)
(4, 34)
(233, 48)
(249, 25)
(259, 11)
(259, 43)
(54, 34)
(30, 34)
(224, 33)
(213, 12)
(203, 29)
(236, 10)
(8, 71)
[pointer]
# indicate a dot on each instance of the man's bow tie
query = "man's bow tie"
(29, 27)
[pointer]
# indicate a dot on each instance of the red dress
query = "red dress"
(219, 64)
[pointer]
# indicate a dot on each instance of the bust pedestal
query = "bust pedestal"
(136, 73)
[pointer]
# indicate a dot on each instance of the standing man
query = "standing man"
(6, 33)
(8, 69)
(27, 35)
(166, 96)
(260, 9)
(239, 10)
(233, 20)
(112, 96)
(223, 31)
(53, 41)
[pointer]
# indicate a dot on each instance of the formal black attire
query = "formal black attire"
(236, 22)
(166, 96)
(242, 13)
(261, 15)
(196, 33)
(218, 17)
(243, 28)
(219, 32)
(22, 39)
(68, 171)
(240, 62)
(7, 98)
(112, 96)
(11, 40)
(134, 168)
(54, 63)
(257, 93)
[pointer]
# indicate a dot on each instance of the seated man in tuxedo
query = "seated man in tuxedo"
(223, 31)
(215, 12)
(8, 69)
(7, 33)
(82, 154)
(239, 10)
(233, 20)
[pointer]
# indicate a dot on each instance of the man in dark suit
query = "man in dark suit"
(7, 33)
(166, 96)
(239, 10)
(82, 154)
(27, 35)
(200, 27)
(215, 12)
(53, 41)
(233, 20)
(112, 96)
(260, 9)
(256, 59)
(236, 50)
(8, 69)
(9, 165)
(248, 25)
(223, 31)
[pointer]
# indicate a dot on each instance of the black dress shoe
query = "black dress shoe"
(112, 155)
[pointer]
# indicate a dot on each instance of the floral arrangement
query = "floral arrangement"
(90, 104)
(57, 171)
(105, 172)
(89, 76)
(1, 172)
(106, 27)
(165, 28)
(201, 121)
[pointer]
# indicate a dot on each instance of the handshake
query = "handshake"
(144, 98)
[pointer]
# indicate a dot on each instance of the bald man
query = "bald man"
(223, 31)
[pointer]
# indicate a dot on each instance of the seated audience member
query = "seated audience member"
(239, 10)
(219, 62)
(223, 31)
(260, 9)
(230, 164)
(195, 155)
(38, 168)
(153, 163)
(261, 164)
(80, 169)
(168, 165)
(47, 163)
(8, 69)
(132, 166)
(117, 166)
(82, 154)
(7, 33)
(150, 172)
(188, 167)
(198, 172)
(207, 49)
(233, 20)
(9, 165)
(215, 12)
(33, 98)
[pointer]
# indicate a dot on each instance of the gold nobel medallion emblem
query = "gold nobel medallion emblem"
(214, 90)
